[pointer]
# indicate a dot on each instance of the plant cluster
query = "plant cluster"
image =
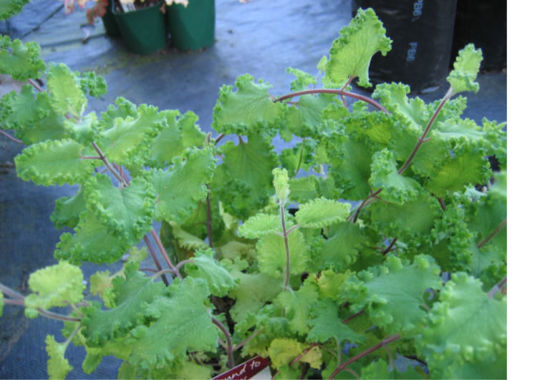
(380, 230)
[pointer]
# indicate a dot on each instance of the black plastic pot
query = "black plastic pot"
(482, 22)
(422, 34)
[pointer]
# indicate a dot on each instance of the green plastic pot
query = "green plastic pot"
(144, 30)
(109, 22)
(192, 27)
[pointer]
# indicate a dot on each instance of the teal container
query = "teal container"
(109, 22)
(192, 27)
(144, 30)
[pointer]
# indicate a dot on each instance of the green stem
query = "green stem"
(341, 367)
(340, 92)
(209, 219)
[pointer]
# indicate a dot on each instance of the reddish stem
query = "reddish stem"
(10, 137)
(384, 252)
(164, 254)
(363, 354)
(230, 361)
(340, 92)
(422, 139)
(492, 234)
(155, 258)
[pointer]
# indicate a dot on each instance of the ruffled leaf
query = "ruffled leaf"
(351, 53)
(20, 61)
(272, 254)
(31, 116)
(131, 293)
(128, 140)
(248, 110)
(92, 241)
(297, 307)
(466, 67)
(183, 185)
(68, 209)
(393, 293)
(56, 285)
(54, 163)
(283, 350)
(66, 95)
(244, 181)
(127, 211)
(204, 266)
(327, 325)
(183, 313)
(58, 365)
(322, 212)
(465, 326)
(260, 225)
(384, 174)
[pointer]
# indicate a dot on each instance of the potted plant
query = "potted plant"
(191, 24)
(397, 247)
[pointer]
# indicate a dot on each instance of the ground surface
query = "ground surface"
(261, 38)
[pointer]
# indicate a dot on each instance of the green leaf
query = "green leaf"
(460, 171)
(66, 95)
(68, 209)
(384, 174)
(465, 326)
(58, 366)
(297, 306)
(126, 211)
(182, 186)
(303, 189)
(178, 134)
(251, 292)
(415, 217)
(466, 67)
(351, 53)
(340, 248)
(244, 181)
(302, 81)
(280, 183)
(92, 241)
(394, 292)
(381, 370)
(20, 61)
(327, 324)
(304, 118)
(272, 254)
(32, 118)
(1, 303)
(204, 266)
(54, 162)
(56, 285)
(128, 140)
(132, 293)
(247, 111)
(260, 225)
(283, 350)
(93, 83)
(322, 212)
(182, 313)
